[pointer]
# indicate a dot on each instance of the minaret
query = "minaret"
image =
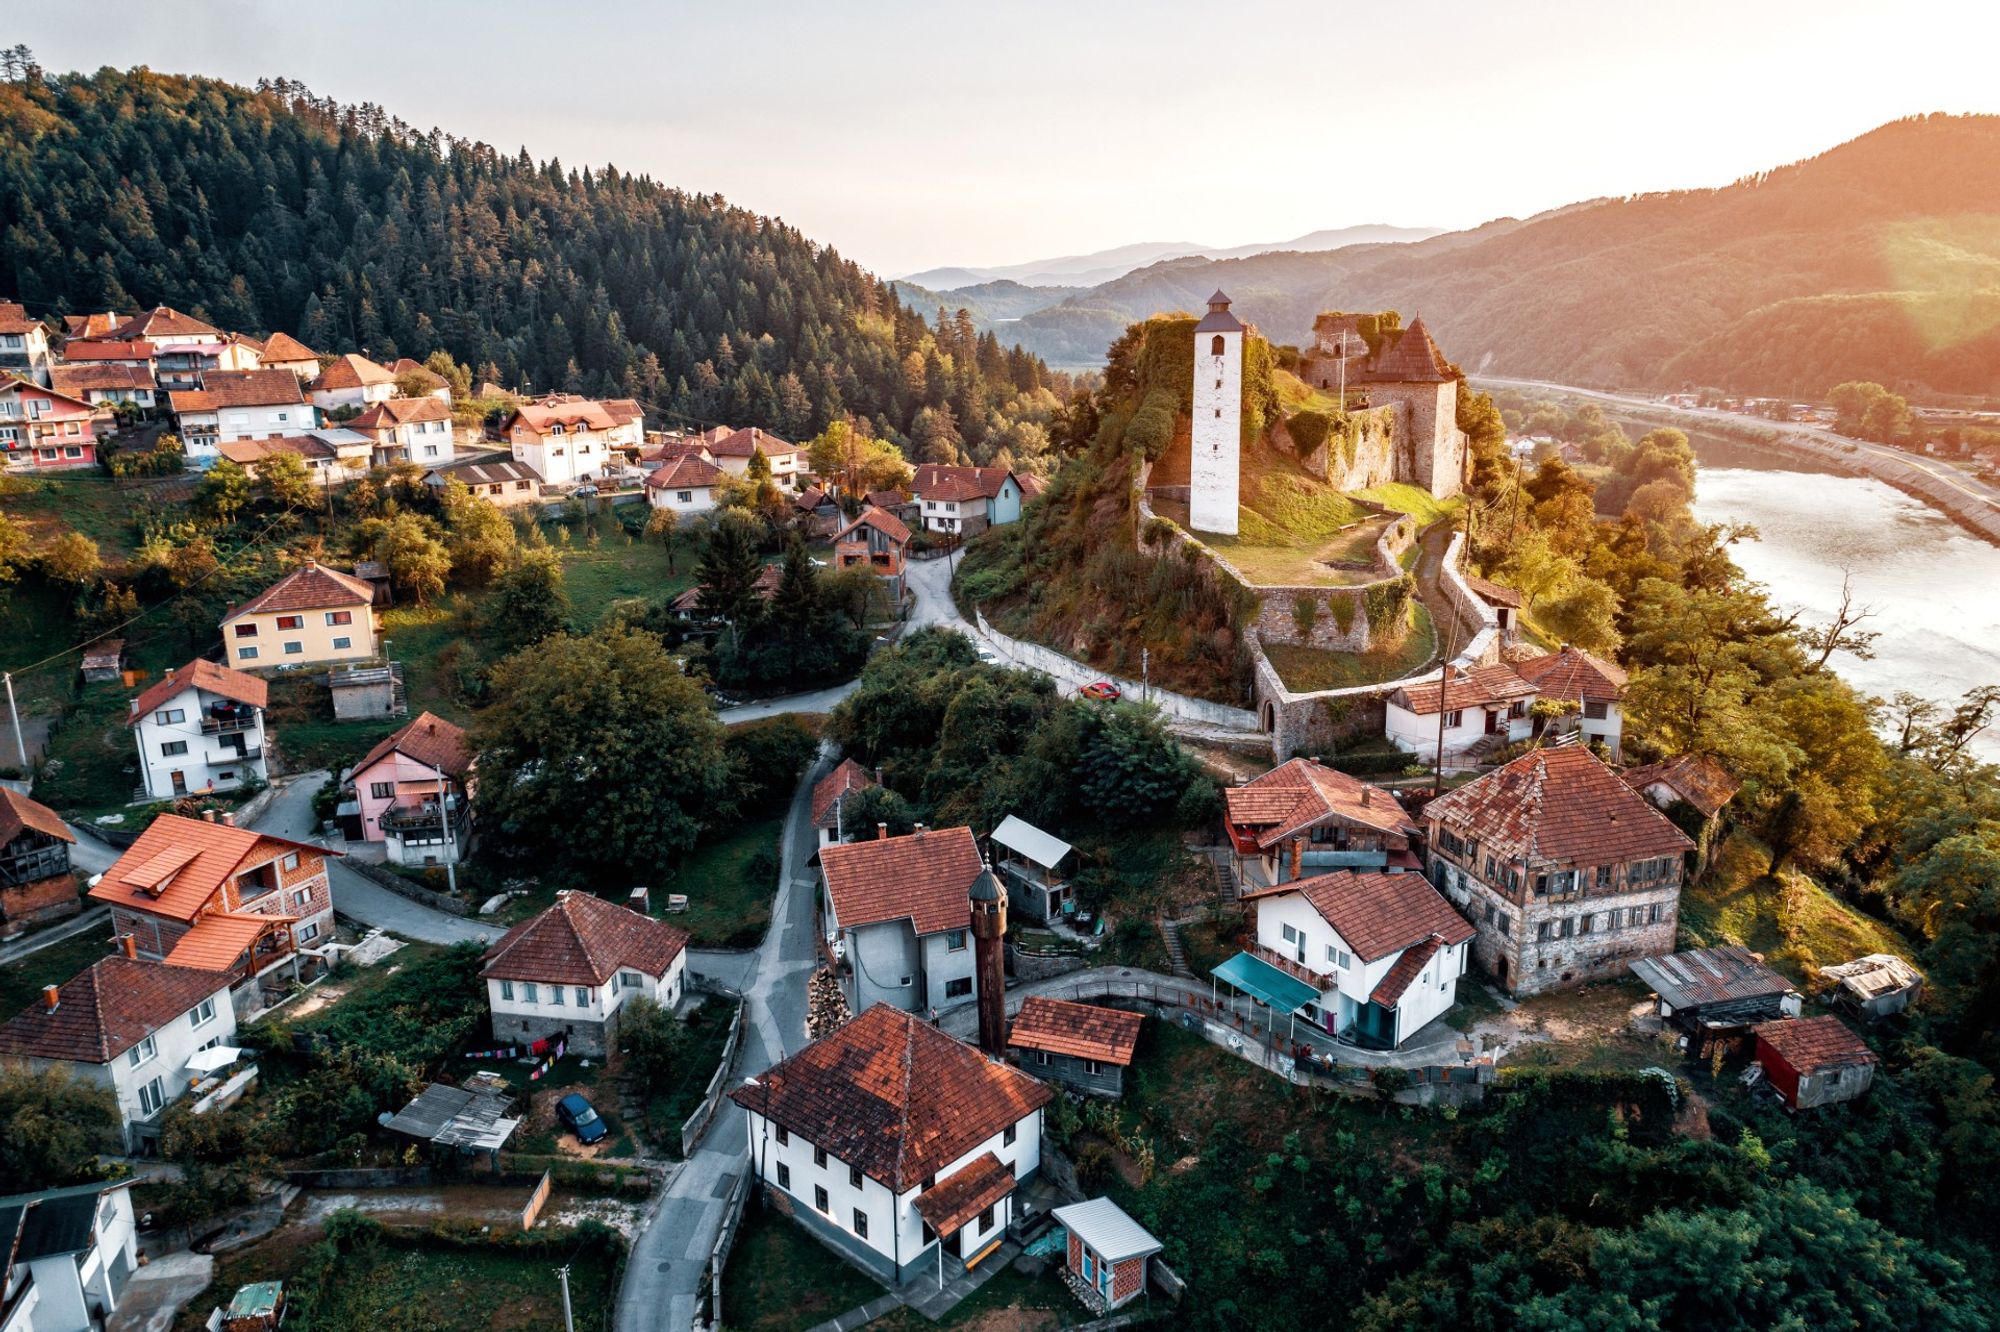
(1217, 447)
(989, 923)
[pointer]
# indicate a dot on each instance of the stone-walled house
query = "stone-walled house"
(568, 972)
(1567, 873)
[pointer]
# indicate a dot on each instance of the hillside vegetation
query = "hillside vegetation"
(1877, 260)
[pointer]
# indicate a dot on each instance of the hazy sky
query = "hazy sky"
(913, 135)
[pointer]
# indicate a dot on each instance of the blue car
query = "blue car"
(575, 1112)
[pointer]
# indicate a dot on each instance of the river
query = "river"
(1933, 586)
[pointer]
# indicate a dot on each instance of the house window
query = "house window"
(1453, 718)
(1090, 1066)
(1604, 876)
(1291, 935)
(853, 1177)
(507, 990)
(954, 941)
(632, 980)
(340, 617)
(151, 1097)
(307, 933)
(1596, 711)
(556, 995)
(582, 997)
(985, 1222)
(1042, 1058)
(530, 993)
(204, 1012)
(170, 717)
(173, 748)
(294, 649)
(246, 631)
(246, 654)
(301, 897)
(684, 496)
(382, 790)
(959, 988)
(290, 862)
(291, 622)
(784, 1175)
(784, 1136)
(820, 1201)
(143, 1051)
(1008, 1135)
(1541, 931)
(861, 1223)
(342, 644)
(819, 1157)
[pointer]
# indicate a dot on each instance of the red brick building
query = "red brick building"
(35, 879)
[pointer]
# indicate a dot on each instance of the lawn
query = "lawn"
(84, 501)
(1295, 552)
(1306, 669)
(1419, 503)
(90, 763)
(729, 882)
(1787, 919)
(780, 1279)
(21, 982)
(707, 1033)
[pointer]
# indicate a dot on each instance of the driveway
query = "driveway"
(663, 1274)
(820, 700)
(290, 815)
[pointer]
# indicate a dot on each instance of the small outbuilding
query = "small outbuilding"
(1082, 1046)
(104, 661)
(1875, 986)
(466, 1120)
(1108, 1254)
(1713, 994)
(256, 1308)
(1033, 862)
(1814, 1061)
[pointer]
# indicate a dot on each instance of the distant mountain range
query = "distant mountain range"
(1088, 270)
(1879, 259)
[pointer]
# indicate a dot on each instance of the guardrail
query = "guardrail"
(711, 1100)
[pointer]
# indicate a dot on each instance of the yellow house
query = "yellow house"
(311, 617)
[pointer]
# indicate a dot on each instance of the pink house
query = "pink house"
(40, 427)
(414, 792)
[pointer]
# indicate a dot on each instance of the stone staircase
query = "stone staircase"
(1226, 887)
(1176, 951)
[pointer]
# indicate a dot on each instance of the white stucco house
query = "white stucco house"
(1594, 685)
(569, 971)
(417, 430)
(351, 383)
(967, 500)
(1486, 701)
(1384, 951)
(685, 485)
(239, 404)
(69, 1254)
(898, 919)
(201, 728)
(895, 1144)
(565, 438)
(131, 1026)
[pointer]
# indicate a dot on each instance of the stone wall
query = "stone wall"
(1373, 459)
(54, 898)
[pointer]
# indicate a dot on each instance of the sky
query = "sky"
(915, 135)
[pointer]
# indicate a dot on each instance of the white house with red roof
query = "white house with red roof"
(24, 343)
(132, 1027)
(105, 384)
(236, 405)
(1568, 873)
(350, 382)
(1595, 685)
(895, 1144)
(282, 351)
(414, 790)
(184, 348)
(565, 438)
(200, 729)
(568, 972)
(897, 918)
(732, 451)
(1383, 951)
(417, 430)
(966, 500)
(1486, 706)
(829, 800)
(246, 906)
(684, 485)
(1303, 817)
(42, 428)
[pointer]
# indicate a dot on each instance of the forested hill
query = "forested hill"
(1876, 260)
(268, 209)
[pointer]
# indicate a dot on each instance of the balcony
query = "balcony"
(423, 820)
(226, 758)
(232, 723)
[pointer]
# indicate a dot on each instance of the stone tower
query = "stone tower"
(1215, 462)
(989, 969)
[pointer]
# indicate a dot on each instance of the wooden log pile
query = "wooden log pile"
(826, 1005)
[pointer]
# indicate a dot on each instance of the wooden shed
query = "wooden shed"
(1814, 1061)
(1082, 1046)
(1713, 994)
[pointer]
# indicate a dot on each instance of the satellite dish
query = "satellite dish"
(384, 1118)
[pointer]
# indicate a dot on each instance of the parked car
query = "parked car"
(580, 1119)
(1103, 691)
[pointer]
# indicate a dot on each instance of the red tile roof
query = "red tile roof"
(922, 877)
(1562, 806)
(251, 452)
(893, 1097)
(1497, 594)
(77, 380)
(177, 865)
(849, 776)
(108, 350)
(1085, 1031)
(18, 814)
(350, 371)
(568, 410)
(14, 318)
(392, 412)
(689, 473)
(93, 325)
(202, 673)
(239, 388)
(1389, 990)
(404, 366)
(950, 482)
(1479, 687)
(1299, 794)
(1377, 914)
(219, 940)
(308, 587)
(979, 1184)
(106, 1010)
(888, 524)
(431, 741)
(743, 443)
(285, 347)
(1574, 673)
(584, 940)
(1699, 779)
(886, 499)
(164, 321)
(1811, 1044)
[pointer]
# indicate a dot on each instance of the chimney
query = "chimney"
(881, 832)
(640, 900)
(51, 998)
(920, 830)
(131, 942)
(208, 816)
(229, 818)
(1366, 791)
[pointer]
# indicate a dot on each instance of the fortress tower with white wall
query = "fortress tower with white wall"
(1216, 454)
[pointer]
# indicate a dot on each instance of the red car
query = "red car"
(1103, 691)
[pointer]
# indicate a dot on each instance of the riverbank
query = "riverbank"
(1968, 501)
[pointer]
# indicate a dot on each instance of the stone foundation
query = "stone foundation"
(586, 1037)
(43, 900)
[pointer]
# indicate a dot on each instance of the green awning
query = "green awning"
(1260, 980)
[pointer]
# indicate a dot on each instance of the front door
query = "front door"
(1493, 722)
(180, 782)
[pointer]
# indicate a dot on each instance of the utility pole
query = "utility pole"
(1444, 689)
(14, 715)
(444, 821)
(1146, 675)
(562, 1275)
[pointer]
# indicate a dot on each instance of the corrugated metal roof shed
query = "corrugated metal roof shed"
(1709, 976)
(1107, 1230)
